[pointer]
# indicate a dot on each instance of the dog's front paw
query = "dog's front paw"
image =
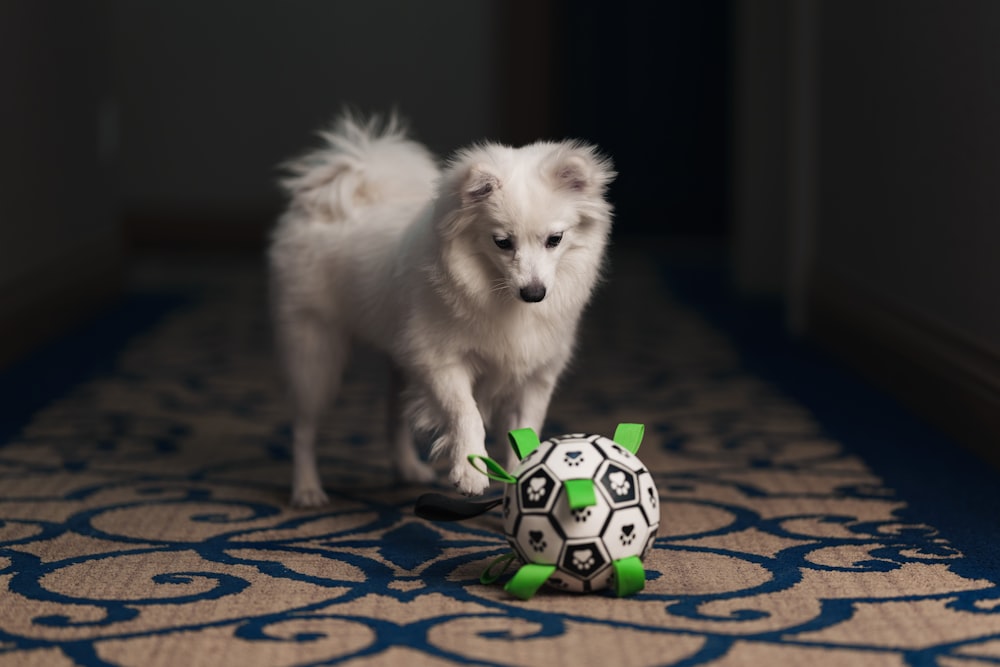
(309, 496)
(468, 480)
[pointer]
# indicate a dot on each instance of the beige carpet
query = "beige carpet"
(143, 516)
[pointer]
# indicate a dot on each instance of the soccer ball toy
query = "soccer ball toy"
(580, 512)
(583, 511)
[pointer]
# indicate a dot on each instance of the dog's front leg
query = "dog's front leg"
(527, 410)
(450, 387)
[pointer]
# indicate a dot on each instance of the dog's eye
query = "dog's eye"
(504, 242)
(553, 240)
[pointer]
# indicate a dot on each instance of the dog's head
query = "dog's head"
(527, 219)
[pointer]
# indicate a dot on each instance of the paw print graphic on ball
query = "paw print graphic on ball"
(619, 483)
(584, 559)
(537, 491)
(536, 488)
(536, 539)
(581, 515)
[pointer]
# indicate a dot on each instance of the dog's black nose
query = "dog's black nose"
(533, 293)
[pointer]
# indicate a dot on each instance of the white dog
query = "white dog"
(471, 278)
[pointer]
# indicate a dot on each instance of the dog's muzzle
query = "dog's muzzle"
(533, 293)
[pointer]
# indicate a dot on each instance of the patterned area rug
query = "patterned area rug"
(144, 517)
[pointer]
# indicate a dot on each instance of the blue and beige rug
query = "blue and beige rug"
(805, 519)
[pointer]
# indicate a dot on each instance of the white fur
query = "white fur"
(381, 245)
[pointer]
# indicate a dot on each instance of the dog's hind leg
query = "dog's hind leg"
(314, 355)
(409, 467)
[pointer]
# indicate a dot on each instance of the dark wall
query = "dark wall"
(649, 82)
(59, 233)
(214, 95)
(910, 149)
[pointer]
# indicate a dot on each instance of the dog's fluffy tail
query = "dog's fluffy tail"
(356, 165)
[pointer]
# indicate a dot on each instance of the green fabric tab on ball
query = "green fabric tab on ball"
(580, 493)
(528, 579)
(630, 576)
(629, 436)
(493, 470)
(524, 441)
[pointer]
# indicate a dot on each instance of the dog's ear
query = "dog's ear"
(579, 168)
(480, 184)
(572, 173)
